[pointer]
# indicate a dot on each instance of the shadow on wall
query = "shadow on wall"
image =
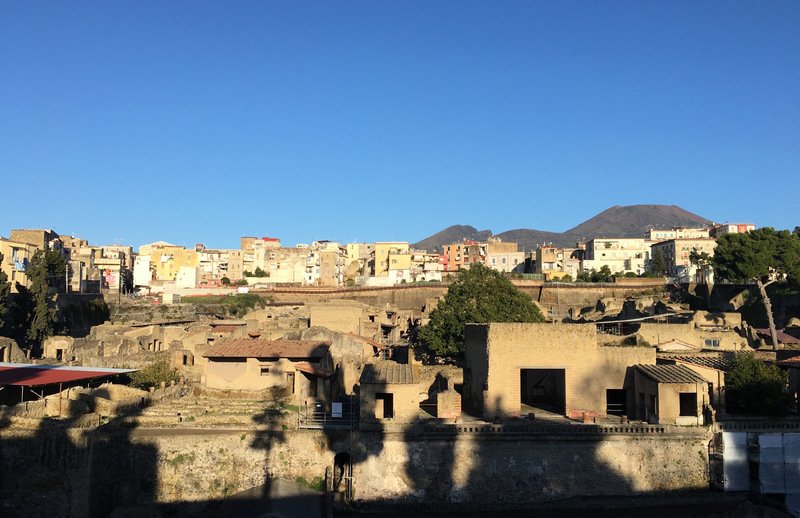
(61, 470)
(430, 465)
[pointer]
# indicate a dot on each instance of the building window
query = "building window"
(384, 405)
(688, 403)
(712, 342)
(265, 371)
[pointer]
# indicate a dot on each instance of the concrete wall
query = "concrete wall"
(589, 369)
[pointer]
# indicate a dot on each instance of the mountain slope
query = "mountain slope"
(635, 220)
(452, 234)
(616, 221)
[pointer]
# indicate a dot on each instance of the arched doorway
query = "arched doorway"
(342, 482)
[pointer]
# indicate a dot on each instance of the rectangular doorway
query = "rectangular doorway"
(544, 389)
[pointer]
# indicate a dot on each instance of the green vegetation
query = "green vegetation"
(763, 255)
(317, 483)
(46, 270)
(479, 295)
(154, 374)
(657, 265)
(753, 387)
(237, 305)
(180, 459)
(603, 275)
(5, 291)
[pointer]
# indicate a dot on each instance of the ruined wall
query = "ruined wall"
(81, 471)
(589, 369)
(659, 333)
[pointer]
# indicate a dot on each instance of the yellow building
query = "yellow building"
(15, 256)
(167, 259)
(391, 255)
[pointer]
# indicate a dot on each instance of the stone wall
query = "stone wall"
(89, 473)
(496, 354)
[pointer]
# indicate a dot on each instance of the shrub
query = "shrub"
(154, 374)
(755, 387)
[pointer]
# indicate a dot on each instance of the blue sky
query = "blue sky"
(381, 120)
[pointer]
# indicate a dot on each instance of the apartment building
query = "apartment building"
(620, 254)
(677, 253)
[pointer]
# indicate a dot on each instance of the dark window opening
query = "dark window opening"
(688, 401)
(616, 402)
(384, 405)
(265, 371)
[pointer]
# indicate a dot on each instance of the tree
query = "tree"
(46, 270)
(5, 290)
(754, 387)
(260, 273)
(763, 255)
(604, 275)
(480, 295)
(658, 265)
(702, 260)
(225, 281)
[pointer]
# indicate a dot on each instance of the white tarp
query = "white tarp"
(771, 463)
(734, 467)
(791, 454)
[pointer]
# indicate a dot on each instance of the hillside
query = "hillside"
(452, 234)
(635, 220)
(617, 221)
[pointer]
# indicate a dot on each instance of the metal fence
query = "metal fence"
(341, 415)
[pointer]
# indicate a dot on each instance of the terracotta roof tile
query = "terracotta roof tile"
(388, 372)
(670, 374)
(714, 361)
(794, 361)
(257, 348)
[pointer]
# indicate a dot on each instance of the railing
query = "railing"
(342, 415)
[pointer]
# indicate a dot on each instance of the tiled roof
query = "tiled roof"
(390, 373)
(783, 338)
(794, 361)
(250, 348)
(710, 361)
(670, 374)
(373, 343)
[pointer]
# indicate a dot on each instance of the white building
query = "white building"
(620, 254)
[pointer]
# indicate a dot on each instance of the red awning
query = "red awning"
(30, 375)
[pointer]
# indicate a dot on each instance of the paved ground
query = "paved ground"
(282, 499)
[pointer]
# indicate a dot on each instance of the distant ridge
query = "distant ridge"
(451, 235)
(616, 221)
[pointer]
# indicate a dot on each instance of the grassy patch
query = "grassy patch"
(238, 304)
(317, 484)
(181, 459)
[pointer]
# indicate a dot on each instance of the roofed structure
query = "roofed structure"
(31, 375)
(258, 348)
(390, 373)
(670, 374)
(711, 361)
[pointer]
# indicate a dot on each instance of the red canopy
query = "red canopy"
(30, 375)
